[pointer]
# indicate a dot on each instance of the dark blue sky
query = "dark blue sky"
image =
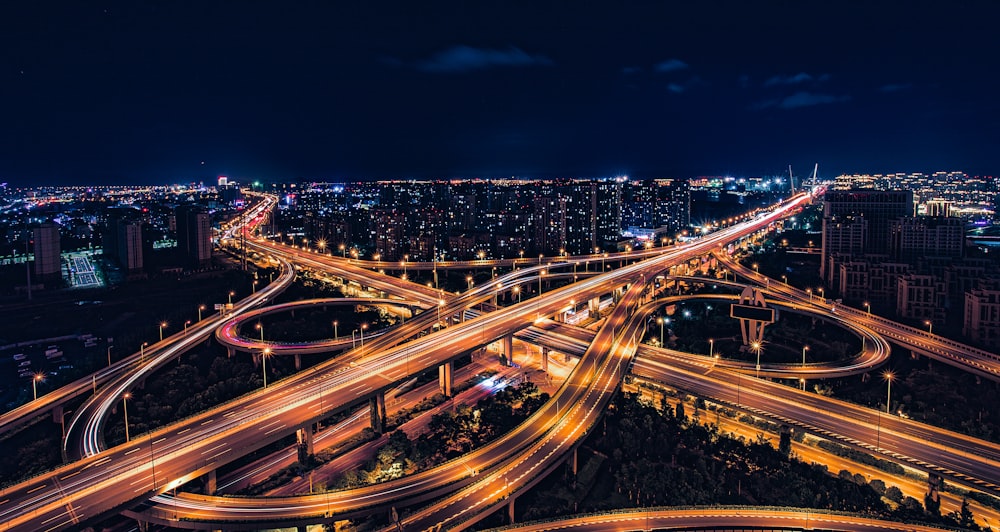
(99, 93)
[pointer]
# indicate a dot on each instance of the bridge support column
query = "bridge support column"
(376, 407)
(545, 360)
(305, 440)
(298, 362)
(143, 525)
(508, 349)
(445, 378)
(574, 462)
(211, 483)
(594, 308)
(510, 510)
(230, 352)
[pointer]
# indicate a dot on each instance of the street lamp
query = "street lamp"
(125, 397)
(822, 295)
(266, 352)
(810, 292)
(109, 355)
(888, 376)
(363, 327)
(756, 268)
(231, 294)
(440, 304)
(660, 321)
(39, 377)
(343, 251)
(186, 323)
(756, 347)
(336, 335)
(785, 278)
(200, 308)
(804, 349)
(517, 290)
(930, 326)
(869, 307)
(162, 325)
(711, 347)
(468, 279)
(540, 275)
(260, 327)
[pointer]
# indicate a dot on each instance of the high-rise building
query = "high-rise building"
(48, 265)
(123, 239)
(877, 207)
(194, 237)
(982, 315)
(915, 237)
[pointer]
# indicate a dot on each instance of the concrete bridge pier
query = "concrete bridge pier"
(508, 349)
(594, 308)
(510, 510)
(230, 352)
(304, 436)
(211, 483)
(545, 360)
(376, 407)
(298, 362)
(445, 378)
(143, 525)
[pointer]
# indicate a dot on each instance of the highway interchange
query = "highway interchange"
(465, 491)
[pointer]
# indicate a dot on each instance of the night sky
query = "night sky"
(144, 92)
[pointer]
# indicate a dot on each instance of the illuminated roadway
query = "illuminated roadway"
(965, 357)
(187, 449)
(726, 518)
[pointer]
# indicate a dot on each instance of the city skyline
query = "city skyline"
(131, 93)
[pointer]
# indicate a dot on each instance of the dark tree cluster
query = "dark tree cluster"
(450, 434)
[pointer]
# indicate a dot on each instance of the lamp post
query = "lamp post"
(186, 323)
(141, 352)
(363, 327)
(266, 352)
(785, 279)
(468, 279)
(868, 306)
(888, 376)
(810, 292)
(200, 308)
(540, 275)
(517, 290)
(125, 397)
(109, 356)
(162, 325)
(336, 335)
(930, 326)
(757, 348)
(39, 377)
(804, 349)
(756, 268)
(822, 294)
(440, 304)
(711, 347)
(253, 287)
(660, 321)
(260, 327)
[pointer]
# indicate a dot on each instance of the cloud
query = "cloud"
(795, 79)
(800, 99)
(631, 70)
(895, 87)
(675, 88)
(670, 65)
(463, 58)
